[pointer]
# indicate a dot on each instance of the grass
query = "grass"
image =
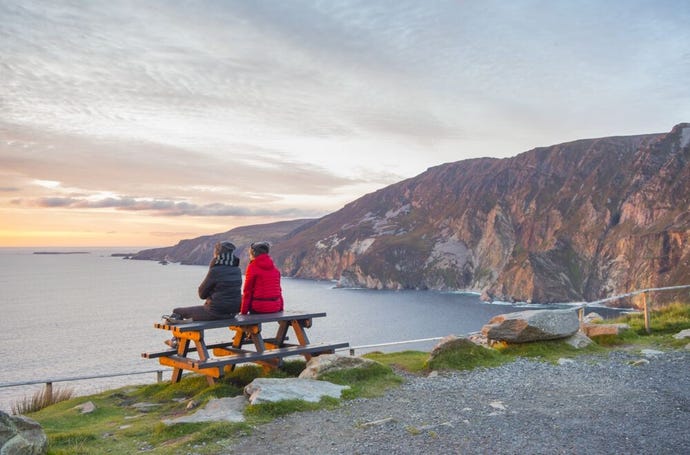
(118, 427)
(664, 322)
(41, 399)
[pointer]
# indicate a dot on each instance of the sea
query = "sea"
(71, 313)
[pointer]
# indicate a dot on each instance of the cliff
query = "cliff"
(576, 221)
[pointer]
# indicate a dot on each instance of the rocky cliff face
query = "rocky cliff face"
(577, 221)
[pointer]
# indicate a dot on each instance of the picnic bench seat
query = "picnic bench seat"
(268, 352)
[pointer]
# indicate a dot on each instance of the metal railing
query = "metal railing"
(159, 373)
(645, 302)
(392, 343)
(49, 382)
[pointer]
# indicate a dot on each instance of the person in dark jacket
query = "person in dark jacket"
(262, 292)
(222, 289)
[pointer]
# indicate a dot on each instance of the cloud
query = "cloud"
(166, 207)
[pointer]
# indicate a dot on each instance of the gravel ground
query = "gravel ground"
(594, 405)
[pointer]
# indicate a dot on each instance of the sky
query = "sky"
(141, 123)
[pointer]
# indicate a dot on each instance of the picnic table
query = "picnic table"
(192, 352)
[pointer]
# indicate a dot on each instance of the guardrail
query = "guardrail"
(352, 349)
(393, 343)
(49, 382)
(645, 302)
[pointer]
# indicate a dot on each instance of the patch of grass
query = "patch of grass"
(41, 399)
(265, 412)
(664, 322)
(412, 361)
(466, 357)
(669, 319)
(364, 382)
(550, 350)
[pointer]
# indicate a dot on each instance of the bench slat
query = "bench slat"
(192, 348)
(269, 354)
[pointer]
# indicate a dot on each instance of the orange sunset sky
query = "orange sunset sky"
(140, 124)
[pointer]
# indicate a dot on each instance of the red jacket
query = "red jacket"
(262, 292)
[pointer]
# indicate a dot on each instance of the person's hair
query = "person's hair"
(258, 248)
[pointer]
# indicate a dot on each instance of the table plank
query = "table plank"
(239, 320)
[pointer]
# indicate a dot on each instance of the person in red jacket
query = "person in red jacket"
(262, 292)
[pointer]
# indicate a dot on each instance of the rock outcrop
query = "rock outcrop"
(20, 435)
(577, 221)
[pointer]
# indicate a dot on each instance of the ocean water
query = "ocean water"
(73, 315)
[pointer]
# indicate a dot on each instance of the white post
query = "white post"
(646, 313)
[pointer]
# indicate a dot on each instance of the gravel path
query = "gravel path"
(594, 405)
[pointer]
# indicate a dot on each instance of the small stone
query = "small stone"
(651, 353)
(497, 405)
(637, 363)
(191, 405)
(375, 423)
(433, 374)
(563, 361)
(86, 408)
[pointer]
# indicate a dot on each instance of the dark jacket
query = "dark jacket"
(262, 292)
(222, 289)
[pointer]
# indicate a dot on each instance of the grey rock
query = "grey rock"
(265, 390)
(216, 410)
(327, 363)
(682, 334)
(579, 340)
(532, 325)
(20, 435)
(86, 408)
(145, 407)
(592, 317)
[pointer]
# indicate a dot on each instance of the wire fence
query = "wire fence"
(159, 373)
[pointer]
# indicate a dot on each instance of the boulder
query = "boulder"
(327, 363)
(532, 325)
(597, 330)
(451, 343)
(268, 390)
(21, 435)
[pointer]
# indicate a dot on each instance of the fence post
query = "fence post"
(49, 392)
(646, 313)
